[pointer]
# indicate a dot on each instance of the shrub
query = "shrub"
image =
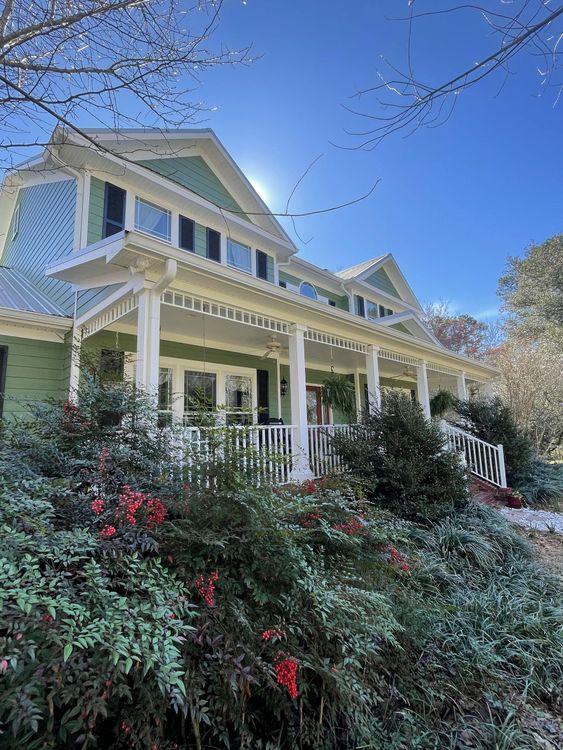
(399, 457)
(541, 483)
(491, 420)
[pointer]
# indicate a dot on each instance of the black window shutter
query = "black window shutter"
(261, 265)
(213, 245)
(187, 234)
(332, 303)
(3, 368)
(360, 306)
(263, 401)
(114, 210)
(283, 284)
(381, 311)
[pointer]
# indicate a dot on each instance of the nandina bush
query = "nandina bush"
(399, 458)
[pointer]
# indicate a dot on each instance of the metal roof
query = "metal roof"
(17, 293)
(353, 271)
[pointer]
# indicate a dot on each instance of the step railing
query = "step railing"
(483, 459)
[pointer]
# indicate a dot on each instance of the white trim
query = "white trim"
(41, 320)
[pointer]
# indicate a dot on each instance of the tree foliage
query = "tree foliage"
(463, 333)
(532, 290)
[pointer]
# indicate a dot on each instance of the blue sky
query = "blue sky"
(452, 202)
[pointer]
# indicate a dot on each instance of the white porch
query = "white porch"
(172, 337)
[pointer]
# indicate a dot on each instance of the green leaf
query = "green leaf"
(67, 651)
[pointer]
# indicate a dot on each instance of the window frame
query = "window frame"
(16, 221)
(312, 286)
(250, 269)
(148, 232)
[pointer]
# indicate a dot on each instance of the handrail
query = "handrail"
(483, 459)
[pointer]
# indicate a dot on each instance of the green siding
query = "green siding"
(35, 372)
(193, 173)
(312, 377)
(127, 343)
(45, 236)
(96, 210)
(200, 240)
(401, 327)
(380, 280)
(341, 301)
(270, 272)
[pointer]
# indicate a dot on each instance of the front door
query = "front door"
(317, 412)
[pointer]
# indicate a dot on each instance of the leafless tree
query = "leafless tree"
(114, 63)
(402, 101)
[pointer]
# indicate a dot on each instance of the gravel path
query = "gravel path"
(541, 520)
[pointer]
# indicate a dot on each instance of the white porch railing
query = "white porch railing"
(263, 452)
(323, 459)
(483, 459)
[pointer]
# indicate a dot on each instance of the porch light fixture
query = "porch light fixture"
(283, 387)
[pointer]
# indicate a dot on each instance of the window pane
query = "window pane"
(371, 310)
(152, 219)
(200, 390)
(238, 256)
(165, 389)
(308, 290)
(238, 393)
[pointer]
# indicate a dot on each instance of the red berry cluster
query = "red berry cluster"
(73, 420)
(49, 619)
(310, 486)
(130, 502)
(108, 531)
(395, 558)
(273, 633)
(353, 526)
(286, 674)
(98, 506)
(311, 519)
(206, 588)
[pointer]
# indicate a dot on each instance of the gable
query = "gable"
(194, 173)
(402, 328)
(380, 280)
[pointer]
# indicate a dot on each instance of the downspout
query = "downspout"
(170, 273)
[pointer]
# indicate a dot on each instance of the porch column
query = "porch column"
(358, 391)
(422, 388)
(297, 385)
(74, 379)
(372, 369)
(148, 341)
(461, 387)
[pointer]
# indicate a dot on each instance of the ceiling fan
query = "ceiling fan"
(408, 372)
(273, 347)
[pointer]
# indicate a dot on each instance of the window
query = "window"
(389, 312)
(360, 306)
(152, 219)
(114, 210)
(16, 221)
(261, 265)
(372, 311)
(332, 303)
(238, 256)
(238, 399)
(187, 234)
(3, 368)
(283, 284)
(308, 290)
(213, 245)
(200, 391)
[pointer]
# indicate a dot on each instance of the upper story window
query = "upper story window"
(152, 219)
(308, 290)
(239, 256)
(372, 311)
(16, 221)
(114, 210)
